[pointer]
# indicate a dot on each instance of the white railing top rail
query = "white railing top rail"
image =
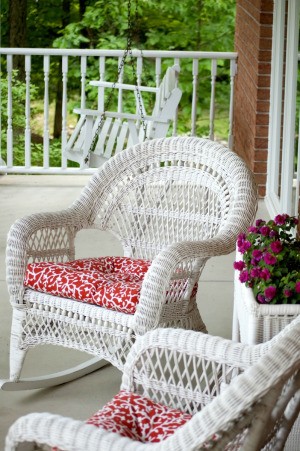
(106, 52)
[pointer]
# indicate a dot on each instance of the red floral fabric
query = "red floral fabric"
(111, 282)
(138, 418)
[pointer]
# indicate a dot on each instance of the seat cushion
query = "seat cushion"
(111, 282)
(138, 418)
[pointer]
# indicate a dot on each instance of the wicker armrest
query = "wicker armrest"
(162, 270)
(65, 433)
(41, 236)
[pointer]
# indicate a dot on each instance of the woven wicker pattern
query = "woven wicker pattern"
(174, 201)
(196, 373)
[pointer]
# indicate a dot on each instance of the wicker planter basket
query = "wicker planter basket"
(255, 323)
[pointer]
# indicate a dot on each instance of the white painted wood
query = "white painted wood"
(194, 96)
(46, 136)
(233, 70)
(288, 139)
(83, 60)
(27, 113)
(212, 99)
(83, 63)
(64, 135)
(9, 148)
(275, 114)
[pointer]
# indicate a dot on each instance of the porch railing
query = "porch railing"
(71, 71)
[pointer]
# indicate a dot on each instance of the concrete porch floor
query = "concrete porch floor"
(22, 195)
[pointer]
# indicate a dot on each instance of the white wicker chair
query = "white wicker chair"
(174, 201)
(197, 374)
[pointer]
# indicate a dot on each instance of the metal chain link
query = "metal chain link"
(127, 51)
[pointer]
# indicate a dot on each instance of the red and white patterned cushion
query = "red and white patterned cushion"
(138, 418)
(111, 282)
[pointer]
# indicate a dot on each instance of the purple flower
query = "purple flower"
(265, 230)
(279, 219)
(259, 222)
(261, 298)
(255, 272)
(297, 286)
(273, 234)
(276, 246)
(240, 265)
(270, 292)
(244, 247)
(265, 274)
(287, 293)
(270, 259)
(253, 229)
(296, 221)
(257, 254)
(244, 276)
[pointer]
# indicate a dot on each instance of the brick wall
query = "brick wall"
(253, 42)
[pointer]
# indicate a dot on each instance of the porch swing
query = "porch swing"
(99, 135)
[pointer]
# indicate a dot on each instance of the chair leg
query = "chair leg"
(58, 378)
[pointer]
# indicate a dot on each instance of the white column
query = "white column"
(275, 114)
(290, 92)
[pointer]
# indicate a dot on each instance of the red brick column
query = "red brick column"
(253, 42)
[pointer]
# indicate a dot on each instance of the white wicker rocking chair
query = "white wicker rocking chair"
(175, 202)
(198, 375)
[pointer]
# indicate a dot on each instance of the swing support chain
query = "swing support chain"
(127, 51)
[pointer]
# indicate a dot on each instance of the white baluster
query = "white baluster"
(46, 111)
(64, 135)
(83, 77)
(120, 93)
(27, 113)
(233, 68)
(212, 99)
(157, 71)
(9, 157)
(194, 96)
(102, 78)
(177, 63)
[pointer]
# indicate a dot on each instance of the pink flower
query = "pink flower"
(257, 254)
(244, 247)
(273, 234)
(244, 276)
(240, 265)
(255, 272)
(296, 221)
(287, 293)
(279, 219)
(270, 292)
(265, 274)
(261, 299)
(276, 246)
(270, 259)
(259, 222)
(297, 286)
(265, 230)
(253, 229)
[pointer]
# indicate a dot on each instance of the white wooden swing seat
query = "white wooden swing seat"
(120, 130)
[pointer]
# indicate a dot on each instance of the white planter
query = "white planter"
(256, 323)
